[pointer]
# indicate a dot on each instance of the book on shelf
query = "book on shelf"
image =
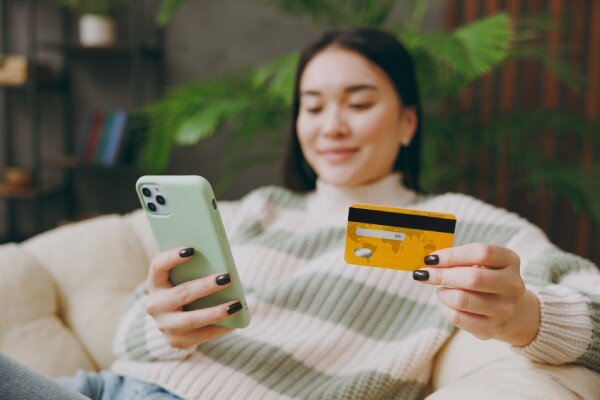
(115, 140)
(101, 138)
(93, 137)
(81, 145)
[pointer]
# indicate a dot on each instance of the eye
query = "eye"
(361, 106)
(314, 110)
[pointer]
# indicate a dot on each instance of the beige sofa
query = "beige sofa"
(62, 294)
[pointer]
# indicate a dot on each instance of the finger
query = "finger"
(174, 298)
(158, 274)
(181, 322)
(197, 336)
(487, 280)
(481, 326)
(491, 305)
(485, 254)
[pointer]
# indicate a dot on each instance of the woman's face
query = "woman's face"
(351, 123)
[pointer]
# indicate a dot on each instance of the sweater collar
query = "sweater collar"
(332, 202)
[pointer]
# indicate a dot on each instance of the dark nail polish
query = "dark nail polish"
(432, 260)
(235, 307)
(420, 275)
(223, 279)
(187, 252)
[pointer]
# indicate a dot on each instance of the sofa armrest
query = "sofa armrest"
(95, 264)
(467, 367)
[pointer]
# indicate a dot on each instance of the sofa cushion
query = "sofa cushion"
(95, 265)
(30, 328)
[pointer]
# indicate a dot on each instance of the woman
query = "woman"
(322, 328)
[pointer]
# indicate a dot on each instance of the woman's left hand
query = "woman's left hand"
(481, 291)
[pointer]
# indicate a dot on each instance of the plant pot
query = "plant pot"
(96, 30)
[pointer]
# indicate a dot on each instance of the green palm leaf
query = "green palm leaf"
(166, 10)
(277, 78)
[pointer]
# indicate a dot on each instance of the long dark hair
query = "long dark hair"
(388, 53)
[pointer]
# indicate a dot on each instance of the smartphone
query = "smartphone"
(182, 211)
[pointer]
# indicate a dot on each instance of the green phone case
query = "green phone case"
(194, 221)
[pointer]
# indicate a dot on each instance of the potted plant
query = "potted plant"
(97, 25)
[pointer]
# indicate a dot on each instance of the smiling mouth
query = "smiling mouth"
(340, 154)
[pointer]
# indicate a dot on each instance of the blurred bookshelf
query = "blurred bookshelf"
(31, 192)
(71, 162)
(118, 50)
(67, 163)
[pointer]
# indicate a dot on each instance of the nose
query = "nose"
(334, 124)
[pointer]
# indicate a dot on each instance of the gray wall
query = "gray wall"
(210, 38)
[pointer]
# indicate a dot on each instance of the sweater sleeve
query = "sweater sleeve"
(568, 290)
(138, 337)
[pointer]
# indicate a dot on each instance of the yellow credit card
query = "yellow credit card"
(397, 238)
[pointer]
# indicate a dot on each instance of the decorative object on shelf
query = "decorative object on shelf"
(97, 27)
(17, 177)
(14, 70)
(97, 30)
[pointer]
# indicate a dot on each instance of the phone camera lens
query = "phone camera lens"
(152, 207)
(146, 192)
(160, 200)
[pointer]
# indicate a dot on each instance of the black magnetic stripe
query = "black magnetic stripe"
(401, 220)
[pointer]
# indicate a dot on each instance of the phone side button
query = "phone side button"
(221, 225)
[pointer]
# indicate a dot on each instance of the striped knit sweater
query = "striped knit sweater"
(325, 329)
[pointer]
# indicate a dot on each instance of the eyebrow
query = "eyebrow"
(349, 89)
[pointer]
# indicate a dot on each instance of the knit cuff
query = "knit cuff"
(158, 346)
(565, 326)
(138, 337)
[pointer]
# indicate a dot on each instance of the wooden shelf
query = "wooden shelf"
(30, 192)
(52, 86)
(70, 162)
(119, 50)
(62, 162)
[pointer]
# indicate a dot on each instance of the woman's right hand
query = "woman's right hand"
(165, 302)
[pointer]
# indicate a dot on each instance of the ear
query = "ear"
(408, 124)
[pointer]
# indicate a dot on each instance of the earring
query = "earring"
(405, 142)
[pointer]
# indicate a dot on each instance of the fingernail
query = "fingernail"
(420, 275)
(235, 307)
(432, 260)
(223, 279)
(187, 252)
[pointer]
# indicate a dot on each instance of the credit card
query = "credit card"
(396, 238)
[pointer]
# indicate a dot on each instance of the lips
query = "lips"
(339, 153)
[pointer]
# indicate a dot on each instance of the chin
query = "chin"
(341, 178)
(348, 178)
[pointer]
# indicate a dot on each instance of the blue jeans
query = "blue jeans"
(106, 385)
(19, 382)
